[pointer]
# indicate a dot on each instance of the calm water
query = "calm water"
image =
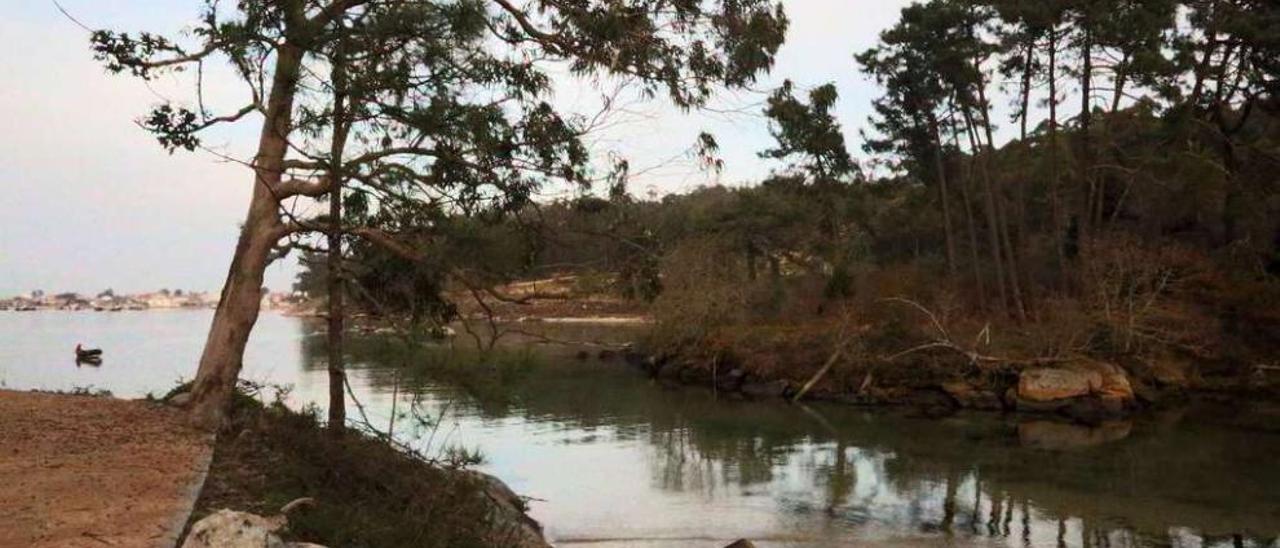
(615, 460)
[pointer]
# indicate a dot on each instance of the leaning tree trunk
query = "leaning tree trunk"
(993, 221)
(1002, 218)
(242, 292)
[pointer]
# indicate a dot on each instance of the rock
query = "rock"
(515, 528)
(1115, 382)
(696, 375)
(180, 399)
(960, 390)
(731, 381)
(1051, 406)
(970, 397)
(1146, 394)
(582, 355)
(891, 395)
(772, 389)
(668, 371)
(741, 543)
(232, 529)
(1169, 375)
(1167, 371)
(1057, 436)
(1046, 384)
(635, 359)
(606, 355)
(933, 404)
(1072, 380)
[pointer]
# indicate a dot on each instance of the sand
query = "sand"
(94, 471)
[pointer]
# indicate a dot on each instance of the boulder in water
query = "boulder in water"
(1073, 380)
(1049, 384)
(515, 528)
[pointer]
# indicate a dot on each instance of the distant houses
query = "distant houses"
(109, 301)
(177, 299)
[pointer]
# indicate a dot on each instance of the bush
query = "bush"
(367, 492)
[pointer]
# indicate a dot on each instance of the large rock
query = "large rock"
(514, 528)
(1115, 382)
(232, 529)
(1049, 384)
(1073, 380)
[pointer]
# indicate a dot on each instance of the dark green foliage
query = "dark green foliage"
(173, 127)
(808, 131)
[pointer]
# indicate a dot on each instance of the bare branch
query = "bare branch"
(289, 188)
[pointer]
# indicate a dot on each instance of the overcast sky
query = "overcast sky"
(89, 201)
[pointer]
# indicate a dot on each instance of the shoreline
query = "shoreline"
(359, 489)
(1239, 407)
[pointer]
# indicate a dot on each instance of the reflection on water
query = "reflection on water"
(616, 460)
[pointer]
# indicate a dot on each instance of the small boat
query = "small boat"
(94, 361)
(88, 354)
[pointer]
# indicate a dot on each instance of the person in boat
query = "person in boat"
(88, 353)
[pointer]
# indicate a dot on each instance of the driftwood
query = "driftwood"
(835, 356)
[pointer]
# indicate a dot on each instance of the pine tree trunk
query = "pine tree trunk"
(971, 227)
(241, 299)
(989, 204)
(940, 167)
(998, 196)
(1055, 193)
(337, 313)
(1086, 136)
(1020, 197)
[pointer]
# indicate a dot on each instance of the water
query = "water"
(613, 459)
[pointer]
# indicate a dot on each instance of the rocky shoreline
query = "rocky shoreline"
(1082, 391)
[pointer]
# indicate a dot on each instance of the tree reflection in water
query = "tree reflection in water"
(979, 479)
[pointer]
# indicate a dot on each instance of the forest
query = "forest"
(1129, 215)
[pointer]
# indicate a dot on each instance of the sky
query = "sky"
(89, 201)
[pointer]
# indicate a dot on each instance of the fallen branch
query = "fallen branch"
(977, 359)
(835, 356)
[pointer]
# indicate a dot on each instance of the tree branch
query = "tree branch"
(303, 187)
